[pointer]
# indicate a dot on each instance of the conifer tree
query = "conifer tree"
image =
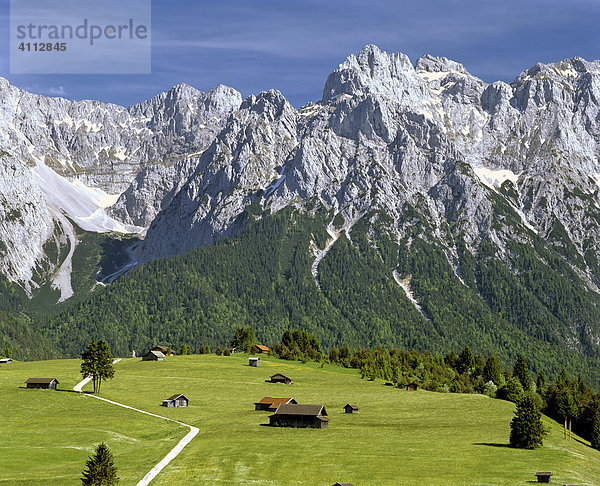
(466, 362)
(100, 468)
(540, 384)
(526, 428)
(521, 371)
(595, 434)
(491, 370)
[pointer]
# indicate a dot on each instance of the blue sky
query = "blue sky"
(254, 45)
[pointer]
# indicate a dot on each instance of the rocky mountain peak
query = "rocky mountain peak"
(432, 64)
(372, 71)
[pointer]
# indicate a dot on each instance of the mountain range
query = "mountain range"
(428, 173)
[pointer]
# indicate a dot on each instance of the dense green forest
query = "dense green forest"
(530, 305)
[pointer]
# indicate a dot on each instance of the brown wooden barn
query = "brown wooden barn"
(262, 349)
(177, 400)
(271, 403)
(166, 350)
(153, 356)
(349, 408)
(300, 416)
(46, 383)
(279, 378)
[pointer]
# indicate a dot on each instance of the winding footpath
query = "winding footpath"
(172, 453)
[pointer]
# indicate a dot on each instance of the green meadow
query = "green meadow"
(399, 437)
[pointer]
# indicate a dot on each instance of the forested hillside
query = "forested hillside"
(262, 278)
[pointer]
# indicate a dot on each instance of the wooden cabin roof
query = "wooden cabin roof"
(353, 407)
(279, 375)
(158, 354)
(300, 409)
(164, 349)
(41, 380)
(274, 402)
(177, 396)
(262, 348)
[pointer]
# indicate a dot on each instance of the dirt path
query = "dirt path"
(172, 453)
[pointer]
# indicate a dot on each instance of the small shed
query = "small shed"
(349, 408)
(271, 403)
(153, 356)
(343, 484)
(253, 361)
(5, 360)
(262, 349)
(412, 386)
(166, 350)
(177, 400)
(543, 477)
(300, 416)
(45, 383)
(279, 378)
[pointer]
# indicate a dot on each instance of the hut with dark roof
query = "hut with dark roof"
(300, 416)
(412, 386)
(153, 355)
(177, 400)
(45, 383)
(166, 350)
(349, 408)
(271, 403)
(279, 378)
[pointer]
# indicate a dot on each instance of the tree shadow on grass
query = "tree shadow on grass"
(491, 444)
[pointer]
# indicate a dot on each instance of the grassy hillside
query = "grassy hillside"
(398, 437)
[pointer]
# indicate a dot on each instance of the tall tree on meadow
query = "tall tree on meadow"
(100, 468)
(567, 407)
(540, 384)
(521, 371)
(526, 428)
(97, 363)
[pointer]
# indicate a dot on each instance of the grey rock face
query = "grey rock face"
(81, 155)
(386, 135)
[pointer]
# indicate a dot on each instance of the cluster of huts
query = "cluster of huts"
(289, 413)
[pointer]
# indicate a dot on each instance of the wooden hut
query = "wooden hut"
(271, 403)
(343, 484)
(349, 408)
(153, 355)
(45, 383)
(253, 361)
(262, 349)
(177, 400)
(412, 386)
(279, 378)
(300, 416)
(166, 350)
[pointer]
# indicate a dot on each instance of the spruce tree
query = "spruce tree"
(595, 435)
(466, 361)
(491, 370)
(540, 384)
(100, 468)
(521, 371)
(526, 428)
